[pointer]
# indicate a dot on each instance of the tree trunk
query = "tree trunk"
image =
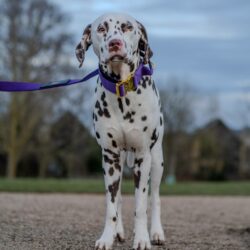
(12, 147)
(12, 164)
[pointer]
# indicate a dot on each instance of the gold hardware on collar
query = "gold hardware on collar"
(128, 85)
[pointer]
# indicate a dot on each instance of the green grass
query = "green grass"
(97, 186)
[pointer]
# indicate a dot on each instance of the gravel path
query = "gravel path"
(58, 221)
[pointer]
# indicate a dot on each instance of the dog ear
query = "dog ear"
(84, 44)
(144, 49)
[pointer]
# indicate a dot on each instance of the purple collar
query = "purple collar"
(121, 88)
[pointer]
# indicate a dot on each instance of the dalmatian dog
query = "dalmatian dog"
(128, 128)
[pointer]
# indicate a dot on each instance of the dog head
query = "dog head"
(119, 41)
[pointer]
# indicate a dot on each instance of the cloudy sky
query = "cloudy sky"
(203, 42)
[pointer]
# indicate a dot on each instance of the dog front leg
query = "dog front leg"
(112, 178)
(141, 177)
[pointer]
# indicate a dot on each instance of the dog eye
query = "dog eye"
(127, 27)
(100, 29)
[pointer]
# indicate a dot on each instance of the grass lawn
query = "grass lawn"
(97, 186)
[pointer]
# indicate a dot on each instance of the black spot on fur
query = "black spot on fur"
(106, 113)
(144, 118)
(118, 167)
(107, 160)
(111, 171)
(144, 189)
(97, 135)
(114, 219)
(127, 116)
(114, 144)
(113, 189)
(137, 177)
(138, 162)
(111, 153)
(138, 91)
(120, 104)
(144, 83)
(110, 135)
(154, 138)
(145, 128)
(160, 120)
(127, 101)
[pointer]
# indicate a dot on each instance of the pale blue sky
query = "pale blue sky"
(206, 42)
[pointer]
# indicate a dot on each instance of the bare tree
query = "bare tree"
(33, 42)
(177, 104)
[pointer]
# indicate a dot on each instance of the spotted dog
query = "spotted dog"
(128, 128)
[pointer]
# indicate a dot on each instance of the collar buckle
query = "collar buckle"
(128, 85)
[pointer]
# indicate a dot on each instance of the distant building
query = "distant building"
(214, 152)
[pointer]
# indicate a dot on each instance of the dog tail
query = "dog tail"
(130, 159)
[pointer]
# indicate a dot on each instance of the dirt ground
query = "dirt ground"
(58, 221)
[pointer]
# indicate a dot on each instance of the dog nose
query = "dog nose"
(115, 44)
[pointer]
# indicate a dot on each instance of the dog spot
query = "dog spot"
(162, 164)
(114, 219)
(138, 91)
(111, 153)
(111, 171)
(120, 104)
(110, 135)
(154, 138)
(107, 160)
(95, 117)
(106, 113)
(133, 149)
(127, 101)
(113, 188)
(138, 162)
(144, 83)
(118, 167)
(97, 135)
(160, 120)
(114, 144)
(144, 189)
(137, 177)
(145, 128)
(106, 26)
(144, 118)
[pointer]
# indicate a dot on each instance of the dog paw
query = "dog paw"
(158, 239)
(103, 244)
(142, 244)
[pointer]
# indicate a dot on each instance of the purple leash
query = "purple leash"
(11, 86)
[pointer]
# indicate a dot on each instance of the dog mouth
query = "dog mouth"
(117, 58)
